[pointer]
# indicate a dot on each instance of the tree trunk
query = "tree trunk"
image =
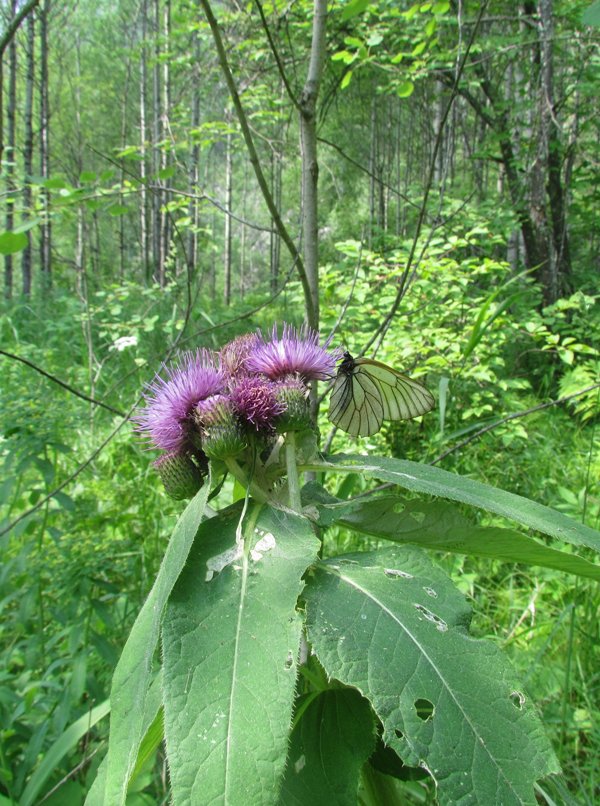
(165, 105)
(144, 223)
(157, 195)
(559, 280)
(28, 151)
(228, 220)
(44, 146)
(193, 170)
(10, 163)
(310, 166)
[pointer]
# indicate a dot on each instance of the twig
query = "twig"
(73, 475)
(384, 326)
(516, 415)
(254, 160)
(64, 385)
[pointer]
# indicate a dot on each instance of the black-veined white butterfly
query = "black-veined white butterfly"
(367, 392)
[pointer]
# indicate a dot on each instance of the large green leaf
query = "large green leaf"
(432, 480)
(329, 745)
(230, 644)
(392, 624)
(133, 674)
(153, 734)
(438, 525)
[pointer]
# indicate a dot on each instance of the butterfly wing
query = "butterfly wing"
(355, 404)
(367, 392)
(402, 398)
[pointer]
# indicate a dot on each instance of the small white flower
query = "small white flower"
(123, 342)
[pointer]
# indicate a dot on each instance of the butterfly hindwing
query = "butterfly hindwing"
(402, 398)
(366, 393)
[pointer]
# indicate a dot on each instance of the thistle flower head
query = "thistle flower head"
(256, 402)
(233, 356)
(180, 476)
(296, 352)
(170, 400)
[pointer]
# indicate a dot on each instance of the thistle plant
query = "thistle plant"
(288, 674)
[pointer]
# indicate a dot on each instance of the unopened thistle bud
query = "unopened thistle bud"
(180, 476)
(293, 396)
(222, 436)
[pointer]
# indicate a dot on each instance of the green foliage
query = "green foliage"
(387, 623)
(448, 704)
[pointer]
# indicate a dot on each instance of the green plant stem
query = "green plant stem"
(292, 472)
(377, 788)
(236, 471)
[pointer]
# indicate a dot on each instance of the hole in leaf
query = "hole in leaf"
(399, 734)
(517, 699)
(425, 613)
(424, 709)
(396, 573)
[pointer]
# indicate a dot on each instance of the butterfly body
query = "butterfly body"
(367, 392)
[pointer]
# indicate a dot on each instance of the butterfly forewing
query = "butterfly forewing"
(354, 405)
(367, 392)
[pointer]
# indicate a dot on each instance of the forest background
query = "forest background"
(158, 194)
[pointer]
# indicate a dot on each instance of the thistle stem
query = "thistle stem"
(292, 472)
(236, 471)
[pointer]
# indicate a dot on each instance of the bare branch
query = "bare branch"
(64, 385)
(275, 53)
(253, 155)
(516, 415)
(13, 25)
(409, 270)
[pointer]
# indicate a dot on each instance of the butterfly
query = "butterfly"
(367, 392)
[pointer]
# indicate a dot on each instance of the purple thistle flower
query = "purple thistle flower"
(233, 356)
(296, 352)
(170, 402)
(255, 401)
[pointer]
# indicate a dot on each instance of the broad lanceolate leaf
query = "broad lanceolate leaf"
(152, 725)
(432, 480)
(329, 745)
(438, 525)
(131, 680)
(392, 624)
(230, 645)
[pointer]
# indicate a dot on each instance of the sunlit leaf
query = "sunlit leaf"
(11, 242)
(392, 624)
(405, 89)
(230, 646)
(131, 680)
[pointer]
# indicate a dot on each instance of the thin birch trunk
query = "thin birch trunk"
(193, 170)
(165, 104)
(10, 163)
(310, 166)
(228, 219)
(144, 223)
(28, 151)
(44, 147)
(157, 196)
